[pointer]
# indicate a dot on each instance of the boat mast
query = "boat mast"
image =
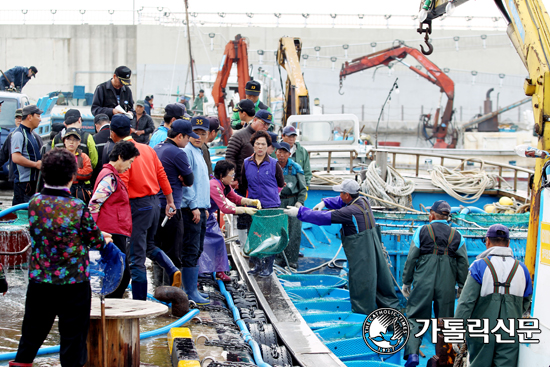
(189, 41)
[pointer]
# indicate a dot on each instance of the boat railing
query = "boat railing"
(501, 167)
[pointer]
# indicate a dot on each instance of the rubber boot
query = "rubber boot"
(139, 290)
(203, 295)
(412, 360)
(267, 269)
(158, 275)
(164, 261)
(19, 364)
(256, 265)
(223, 277)
(190, 276)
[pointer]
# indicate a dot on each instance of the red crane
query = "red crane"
(436, 76)
(235, 52)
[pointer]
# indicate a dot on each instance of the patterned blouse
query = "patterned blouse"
(62, 231)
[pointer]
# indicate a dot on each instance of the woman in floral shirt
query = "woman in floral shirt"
(62, 231)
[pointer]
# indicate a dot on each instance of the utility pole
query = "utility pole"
(190, 55)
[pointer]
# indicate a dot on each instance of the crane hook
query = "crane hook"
(341, 86)
(430, 47)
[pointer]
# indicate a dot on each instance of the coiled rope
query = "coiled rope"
(395, 189)
(465, 186)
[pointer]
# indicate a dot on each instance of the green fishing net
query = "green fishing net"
(520, 220)
(268, 234)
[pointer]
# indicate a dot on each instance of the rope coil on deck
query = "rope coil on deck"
(466, 186)
(395, 189)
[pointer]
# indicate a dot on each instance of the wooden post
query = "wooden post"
(394, 159)
(500, 174)
(417, 164)
(328, 164)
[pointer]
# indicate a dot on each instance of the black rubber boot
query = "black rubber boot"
(257, 265)
(267, 269)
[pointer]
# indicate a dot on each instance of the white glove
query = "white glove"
(406, 290)
(245, 210)
(298, 204)
(291, 211)
(319, 206)
(252, 202)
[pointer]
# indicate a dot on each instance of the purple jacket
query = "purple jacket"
(263, 182)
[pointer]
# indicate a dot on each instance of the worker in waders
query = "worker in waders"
(498, 288)
(437, 261)
(370, 282)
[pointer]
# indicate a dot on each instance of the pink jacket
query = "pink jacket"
(226, 203)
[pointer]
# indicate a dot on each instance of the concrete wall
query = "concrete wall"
(159, 57)
(60, 51)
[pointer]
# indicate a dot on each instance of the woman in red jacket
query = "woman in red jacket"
(110, 203)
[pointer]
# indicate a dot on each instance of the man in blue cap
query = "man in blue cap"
(194, 206)
(172, 112)
(238, 149)
(169, 237)
(437, 261)
(498, 287)
(298, 153)
(252, 91)
(370, 281)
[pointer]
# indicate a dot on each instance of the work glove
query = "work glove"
(3, 282)
(291, 211)
(245, 210)
(252, 202)
(458, 293)
(319, 206)
(406, 290)
(298, 204)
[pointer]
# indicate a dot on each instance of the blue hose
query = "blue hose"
(53, 350)
(244, 330)
(14, 209)
(473, 209)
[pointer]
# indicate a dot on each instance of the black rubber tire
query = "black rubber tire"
(276, 355)
(266, 336)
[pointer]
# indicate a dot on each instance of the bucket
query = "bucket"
(14, 237)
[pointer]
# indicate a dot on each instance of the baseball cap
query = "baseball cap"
(441, 207)
(245, 105)
(1, 102)
(124, 73)
(100, 117)
(140, 102)
(498, 230)
(34, 71)
(285, 146)
(184, 127)
(200, 122)
(72, 132)
(72, 116)
(274, 138)
(253, 88)
(289, 130)
(265, 115)
(349, 186)
(175, 110)
(18, 112)
(215, 124)
(120, 122)
(32, 109)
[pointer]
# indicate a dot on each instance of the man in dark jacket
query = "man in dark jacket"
(239, 147)
(142, 125)
(101, 138)
(113, 93)
(17, 77)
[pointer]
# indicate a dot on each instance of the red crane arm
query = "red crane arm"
(398, 53)
(235, 52)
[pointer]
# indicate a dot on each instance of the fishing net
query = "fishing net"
(268, 234)
(517, 220)
(105, 276)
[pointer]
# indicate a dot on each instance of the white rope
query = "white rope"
(465, 186)
(394, 189)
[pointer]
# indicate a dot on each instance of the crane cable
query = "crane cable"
(395, 189)
(466, 186)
